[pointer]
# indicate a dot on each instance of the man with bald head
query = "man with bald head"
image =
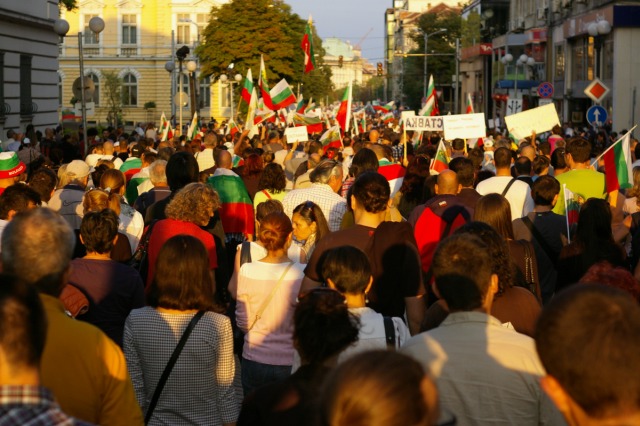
(438, 218)
(374, 135)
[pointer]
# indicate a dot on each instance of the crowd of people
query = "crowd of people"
(233, 280)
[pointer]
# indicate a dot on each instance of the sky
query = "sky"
(349, 20)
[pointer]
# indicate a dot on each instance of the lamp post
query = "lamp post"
(191, 68)
(170, 66)
(225, 79)
(598, 30)
(61, 27)
(426, 39)
(181, 54)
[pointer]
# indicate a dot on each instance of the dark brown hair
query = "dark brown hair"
(495, 210)
(311, 212)
(99, 230)
(183, 280)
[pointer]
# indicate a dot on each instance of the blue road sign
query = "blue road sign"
(545, 90)
(596, 115)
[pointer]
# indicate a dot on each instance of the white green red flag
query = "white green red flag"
(384, 108)
(232, 128)
(440, 161)
(307, 47)
(300, 106)
(331, 138)
(247, 88)
(167, 132)
(387, 118)
(431, 106)
(617, 164)
(572, 203)
(469, 104)
(281, 95)
(344, 111)
(193, 129)
(313, 123)
(264, 86)
(163, 123)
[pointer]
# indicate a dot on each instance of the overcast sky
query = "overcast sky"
(349, 20)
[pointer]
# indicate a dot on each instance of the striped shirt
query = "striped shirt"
(333, 206)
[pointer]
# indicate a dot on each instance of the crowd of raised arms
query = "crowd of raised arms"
(391, 279)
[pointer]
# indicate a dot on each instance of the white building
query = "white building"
(352, 64)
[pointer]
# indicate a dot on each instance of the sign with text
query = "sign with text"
(406, 114)
(541, 119)
(296, 134)
(464, 126)
(424, 123)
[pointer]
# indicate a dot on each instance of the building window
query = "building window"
(26, 104)
(606, 52)
(89, 36)
(183, 36)
(205, 92)
(582, 59)
(96, 90)
(202, 20)
(560, 61)
(129, 34)
(224, 95)
(129, 90)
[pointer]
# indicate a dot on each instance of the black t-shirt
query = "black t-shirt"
(113, 290)
(395, 262)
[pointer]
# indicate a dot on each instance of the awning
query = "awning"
(522, 84)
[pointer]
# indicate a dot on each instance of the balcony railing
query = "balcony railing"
(128, 51)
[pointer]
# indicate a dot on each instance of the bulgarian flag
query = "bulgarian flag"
(163, 123)
(281, 95)
(236, 208)
(253, 106)
(232, 128)
(331, 138)
(167, 132)
(393, 172)
(617, 165)
(192, 130)
(313, 123)
(307, 48)
(301, 105)
(387, 118)
(431, 106)
(264, 86)
(385, 108)
(247, 89)
(68, 115)
(310, 105)
(344, 111)
(571, 208)
(440, 161)
(469, 104)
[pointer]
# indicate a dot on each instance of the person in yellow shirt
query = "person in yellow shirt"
(85, 370)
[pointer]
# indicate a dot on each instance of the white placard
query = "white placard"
(406, 114)
(296, 134)
(541, 119)
(424, 123)
(464, 126)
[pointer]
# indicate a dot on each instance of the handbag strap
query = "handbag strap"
(389, 332)
(551, 253)
(268, 299)
(506, 189)
(170, 364)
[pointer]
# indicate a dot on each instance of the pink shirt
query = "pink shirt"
(270, 341)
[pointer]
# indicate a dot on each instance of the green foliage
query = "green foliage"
(149, 105)
(68, 4)
(470, 30)
(240, 31)
(441, 67)
(112, 93)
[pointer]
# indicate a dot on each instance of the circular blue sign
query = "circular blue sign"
(596, 115)
(545, 90)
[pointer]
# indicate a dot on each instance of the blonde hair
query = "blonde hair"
(193, 203)
(98, 199)
(114, 180)
(63, 178)
(635, 190)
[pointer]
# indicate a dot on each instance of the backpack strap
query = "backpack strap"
(550, 252)
(506, 189)
(389, 332)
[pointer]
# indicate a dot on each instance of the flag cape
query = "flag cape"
(393, 172)
(469, 104)
(617, 165)
(314, 124)
(247, 89)
(440, 162)
(264, 86)
(307, 47)
(236, 209)
(281, 95)
(344, 111)
(431, 106)
(331, 138)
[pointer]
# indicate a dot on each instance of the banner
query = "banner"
(424, 123)
(540, 119)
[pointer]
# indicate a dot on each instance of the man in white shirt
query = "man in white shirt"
(486, 373)
(518, 193)
(205, 158)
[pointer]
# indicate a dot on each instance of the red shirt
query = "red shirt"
(167, 228)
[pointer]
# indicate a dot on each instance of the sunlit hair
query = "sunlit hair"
(98, 199)
(275, 228)
(193, 203)
(495, 210)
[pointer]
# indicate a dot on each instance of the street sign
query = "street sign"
(545, 101)
(514, 106)
(596, 90)
(545, 90)
(596, 115)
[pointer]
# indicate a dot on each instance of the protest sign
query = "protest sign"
(540, 119)
(296, 134)
(464, 126)
(424, 123)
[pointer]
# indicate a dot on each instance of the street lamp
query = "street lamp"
(426, 39)
(181, 54)
(61, 27)
(522, 60)
(598, 30)
(224, 79)
(170, 66)
(191, 68)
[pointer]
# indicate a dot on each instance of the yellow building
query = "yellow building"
(139, 38)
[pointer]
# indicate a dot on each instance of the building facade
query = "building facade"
(28, 63)
(345, 61)
(139, 39)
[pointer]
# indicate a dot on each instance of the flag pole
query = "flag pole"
(566, 211)
(404, 133)
(595, 162)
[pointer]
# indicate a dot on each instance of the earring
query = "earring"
(366, 298)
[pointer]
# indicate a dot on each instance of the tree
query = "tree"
(441, 67)
(112, 88)
(240, 31)
(68, 4)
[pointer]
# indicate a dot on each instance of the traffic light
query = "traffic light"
(340, 60)
(380, 70)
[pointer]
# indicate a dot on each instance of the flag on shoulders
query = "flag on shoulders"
(331, 138)
(281, 95)
(344, 111)
(247, 88)
(393, 172)
(440, 161)
(236, 208)
(307, 48)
